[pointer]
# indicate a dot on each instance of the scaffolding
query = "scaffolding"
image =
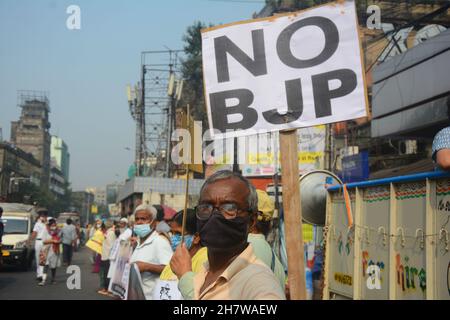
(153, 110)
(33, 97)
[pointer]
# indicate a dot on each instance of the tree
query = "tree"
(63, 203)
(192, 71)
(29, 193)
(294, 4)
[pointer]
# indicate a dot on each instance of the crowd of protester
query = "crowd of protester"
(222, 253)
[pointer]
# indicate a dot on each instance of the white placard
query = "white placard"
(119, 281)
(126, 274)
(135, 285)
(291, 71)
(114, 250)
(167, 290)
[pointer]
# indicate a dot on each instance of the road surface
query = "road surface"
(15, 284)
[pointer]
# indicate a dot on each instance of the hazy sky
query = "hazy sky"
(86, 71)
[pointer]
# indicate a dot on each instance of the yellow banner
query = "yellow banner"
(96, 242)
(268, 158)
(309, 157)
(308, 232)
(195, 132)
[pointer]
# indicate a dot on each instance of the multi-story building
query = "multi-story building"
(112, 191)
(155, 190)
(16, 166)
(59, 153)
(31, 132)
(99, 195)
(57, 182)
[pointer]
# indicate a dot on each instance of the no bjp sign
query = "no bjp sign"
(291, 71)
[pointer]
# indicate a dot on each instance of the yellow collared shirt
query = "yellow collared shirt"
(246, 278)
(197, 262)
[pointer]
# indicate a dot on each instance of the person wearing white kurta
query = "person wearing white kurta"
(156, 250)
(38, 232)
(124, 236)
(153, 251)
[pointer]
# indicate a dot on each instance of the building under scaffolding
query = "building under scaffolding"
(152, 106)
(31, 132)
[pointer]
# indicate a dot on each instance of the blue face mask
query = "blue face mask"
(175, 240)
(142, 230)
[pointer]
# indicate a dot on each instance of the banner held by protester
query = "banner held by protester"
(135, 291)
(290, 71)
(119, 283)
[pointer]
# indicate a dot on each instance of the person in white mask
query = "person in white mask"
(125, 231)
(162, 226)
(123, 235)
(153, 252)
(95, 227)
(37, 234)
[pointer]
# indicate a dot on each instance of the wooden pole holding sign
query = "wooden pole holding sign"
(292, 214)
(186, 195)
(185, 204)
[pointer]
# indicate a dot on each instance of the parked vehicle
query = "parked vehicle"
(61, 220)
(19, 221)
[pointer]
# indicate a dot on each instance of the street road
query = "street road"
(15, 284)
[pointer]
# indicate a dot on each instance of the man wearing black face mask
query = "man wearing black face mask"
(227, 207)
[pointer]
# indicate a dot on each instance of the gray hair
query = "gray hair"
(252, 198)
(146, 207)
(108, 224)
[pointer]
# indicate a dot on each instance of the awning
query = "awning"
(411, 91)
(160, 185)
